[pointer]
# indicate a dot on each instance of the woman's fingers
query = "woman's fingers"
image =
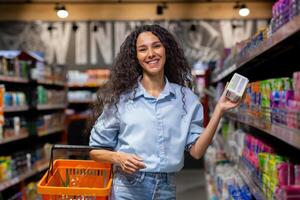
(138, 162)
(131, 164)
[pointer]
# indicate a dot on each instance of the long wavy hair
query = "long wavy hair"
(126, 70)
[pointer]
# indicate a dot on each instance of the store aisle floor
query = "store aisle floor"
(190, 185)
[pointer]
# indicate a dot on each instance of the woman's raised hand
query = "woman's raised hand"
(225, 104)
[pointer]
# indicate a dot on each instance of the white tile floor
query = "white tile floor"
(190, 185)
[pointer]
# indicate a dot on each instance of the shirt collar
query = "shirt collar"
(140, 90)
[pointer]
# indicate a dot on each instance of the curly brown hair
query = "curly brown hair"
(126, 69)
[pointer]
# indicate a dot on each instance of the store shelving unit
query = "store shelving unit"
(82, 87)
(286, 134)
(39, 167)
(50, 107)
(281, 45)
(277, 56)
(251, 181)
(50, 131)
(30, 138)
(247, 175)
(16, 109)
(202, 75)
(13, 79)
(77, 120)
(14, 138)
(285, 39)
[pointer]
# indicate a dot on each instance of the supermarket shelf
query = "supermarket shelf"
(50, 131)
(87, 85)
(39, 167)
(220, 75)
(13, 79)
(290, 136)
(246, 175)
(49, 107)
(16, 108)
(59, 83)
(81, 102)
(251, 182)
(290, 29)
(51, 82)
(14, 138)
(45, 82)
(75, 117)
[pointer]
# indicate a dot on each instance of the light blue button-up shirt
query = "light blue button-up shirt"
(156, 129)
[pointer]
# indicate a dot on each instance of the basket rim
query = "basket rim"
(60, 190)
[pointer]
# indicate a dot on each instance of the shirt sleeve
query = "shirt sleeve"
(105, 131)
(196, 126)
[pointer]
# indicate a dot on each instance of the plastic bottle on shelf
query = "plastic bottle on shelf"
(17, 125)
(28, 160)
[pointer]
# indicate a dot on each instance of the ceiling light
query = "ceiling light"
(74, 26)
(244, 11)
(193, 28)
(61, 11)
(160, 8)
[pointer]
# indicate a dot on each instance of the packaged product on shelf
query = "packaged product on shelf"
(30, 192)
(289, 192)
(5, 168)
(293, 9)
(14, 126)
(286, 174)
(17, 125)
(296, 82)
(14, 99)
(92, 77)
(266, 88)
(2, 92)
(297, 174)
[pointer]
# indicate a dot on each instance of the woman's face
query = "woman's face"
(151, 54)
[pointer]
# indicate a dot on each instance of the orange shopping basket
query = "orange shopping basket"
(75, 179)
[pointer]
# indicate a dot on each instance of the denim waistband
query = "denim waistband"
(165, 176)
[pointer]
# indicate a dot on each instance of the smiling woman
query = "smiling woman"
(148, 116)
(151, 55)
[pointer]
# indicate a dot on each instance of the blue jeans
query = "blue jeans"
(143, 186)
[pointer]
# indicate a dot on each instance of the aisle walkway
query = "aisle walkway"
(191, 185)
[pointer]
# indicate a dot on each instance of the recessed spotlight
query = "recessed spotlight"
(244, 10)
(61, 11)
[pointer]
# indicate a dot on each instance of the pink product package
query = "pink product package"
(293, 114)
(286, 175)
(297, 175)
(291, 192)
(296, 82)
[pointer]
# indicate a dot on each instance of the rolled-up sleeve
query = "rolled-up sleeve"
(105, 131)
(196, 126)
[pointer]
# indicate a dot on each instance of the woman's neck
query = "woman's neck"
(154, 85)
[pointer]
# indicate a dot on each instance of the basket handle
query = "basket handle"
(68, 147)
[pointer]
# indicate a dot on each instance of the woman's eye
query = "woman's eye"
(157, 46)
(142, 50)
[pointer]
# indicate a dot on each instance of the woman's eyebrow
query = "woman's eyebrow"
(143, 45)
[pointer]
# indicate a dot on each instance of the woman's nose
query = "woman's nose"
(151, 53)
